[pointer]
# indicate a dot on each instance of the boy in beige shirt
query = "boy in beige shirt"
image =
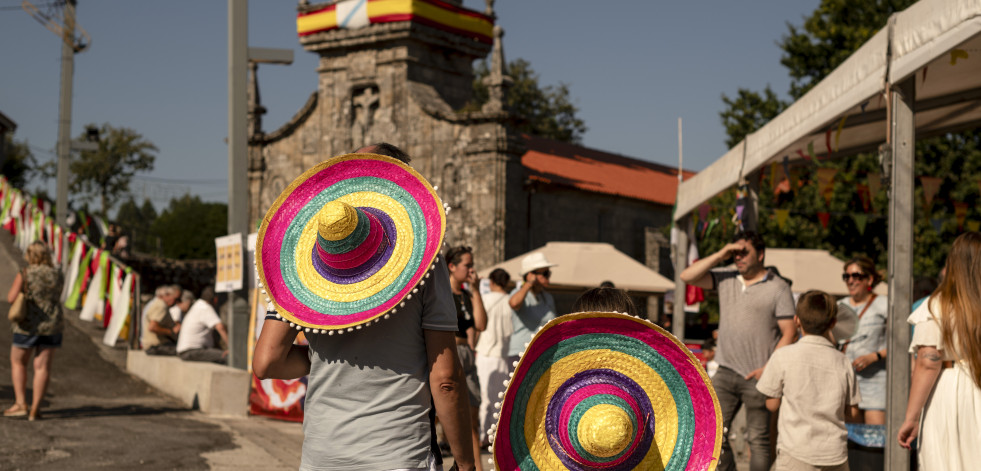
(812, 384)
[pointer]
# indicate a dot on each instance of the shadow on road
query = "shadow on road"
(98, 411)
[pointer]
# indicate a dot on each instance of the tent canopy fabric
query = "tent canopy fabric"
(587, 264)
(813, 269)
(937, 42)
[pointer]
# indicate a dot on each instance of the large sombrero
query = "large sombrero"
(606, 391)
(348, 242)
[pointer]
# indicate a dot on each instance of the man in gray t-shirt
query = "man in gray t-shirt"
(370, 390)
(756, 317)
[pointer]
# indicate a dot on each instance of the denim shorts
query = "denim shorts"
(873, 388)
(39, 341)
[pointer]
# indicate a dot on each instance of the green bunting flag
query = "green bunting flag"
(860, 221)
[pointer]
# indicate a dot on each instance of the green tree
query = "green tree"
(188, 227)
(104, 175)
(546, 111)
(828, 36)
(749, 111)
(835, 30)
(135, 222)
(18, 162)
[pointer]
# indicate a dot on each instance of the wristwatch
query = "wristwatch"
(878, 356)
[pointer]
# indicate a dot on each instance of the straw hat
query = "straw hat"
(607, 391)
(533, 262)
(348, 242)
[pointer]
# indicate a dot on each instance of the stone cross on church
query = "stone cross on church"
(365, 105)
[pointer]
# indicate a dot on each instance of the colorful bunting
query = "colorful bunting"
(937, 223)
(973, 226)
(781, 215)
(957, 54)
(824, 218)
(875, 184)
(841, 126)
(960, 212)
(860, 221)
(826, 183)
(931, 186)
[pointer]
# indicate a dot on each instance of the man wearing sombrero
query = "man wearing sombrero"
(348, 253)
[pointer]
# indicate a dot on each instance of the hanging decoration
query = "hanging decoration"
(781, 216)
(937, 223)
(860, 222)
(875, 184)
(931, 186)
(864, 196)
(957, 54)
(973, 226)
(826, 183)
(960, 212)
(841, 126)
(825, 218)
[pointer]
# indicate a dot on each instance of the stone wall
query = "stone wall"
(567, 214)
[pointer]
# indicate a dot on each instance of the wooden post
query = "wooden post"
(901, 149)
(680, 262)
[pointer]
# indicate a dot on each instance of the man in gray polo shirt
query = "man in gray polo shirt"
(756, 318)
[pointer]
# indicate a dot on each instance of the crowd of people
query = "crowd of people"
(446, 356)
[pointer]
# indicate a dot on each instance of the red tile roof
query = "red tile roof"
(593, 170)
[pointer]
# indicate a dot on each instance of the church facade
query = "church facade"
(402, 74)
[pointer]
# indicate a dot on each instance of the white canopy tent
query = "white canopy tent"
(927, 42)
(582, 265)
(917, 77)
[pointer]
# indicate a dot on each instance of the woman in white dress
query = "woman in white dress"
(492, 347)
(944, 408)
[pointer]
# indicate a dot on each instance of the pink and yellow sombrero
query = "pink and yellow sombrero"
(348, 242)
(607, 391)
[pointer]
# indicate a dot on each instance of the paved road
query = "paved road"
(95, 415)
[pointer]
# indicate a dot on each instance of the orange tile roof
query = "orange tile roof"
(588, 169)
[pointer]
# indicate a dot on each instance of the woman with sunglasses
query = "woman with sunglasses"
(867, 348)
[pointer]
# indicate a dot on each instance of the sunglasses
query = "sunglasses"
(545, 273)
(854, 276)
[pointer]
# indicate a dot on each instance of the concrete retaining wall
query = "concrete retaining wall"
(214, 389)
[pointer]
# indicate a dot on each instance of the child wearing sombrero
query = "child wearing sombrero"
(811, 383)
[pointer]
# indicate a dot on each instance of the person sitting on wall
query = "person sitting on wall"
(196, 342)
(159, 329)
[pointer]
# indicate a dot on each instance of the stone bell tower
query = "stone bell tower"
(401, 72)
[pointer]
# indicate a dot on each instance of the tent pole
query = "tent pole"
(901, 149)
(680, 262)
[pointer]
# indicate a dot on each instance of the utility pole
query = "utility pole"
(65, 111)
(69, 47)
(239, 55)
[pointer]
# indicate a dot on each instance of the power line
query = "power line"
(199, 181)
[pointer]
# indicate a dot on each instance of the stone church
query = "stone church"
(401, 72)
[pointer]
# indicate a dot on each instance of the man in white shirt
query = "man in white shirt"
(196, 341)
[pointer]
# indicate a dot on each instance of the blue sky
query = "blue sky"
(160, 68)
